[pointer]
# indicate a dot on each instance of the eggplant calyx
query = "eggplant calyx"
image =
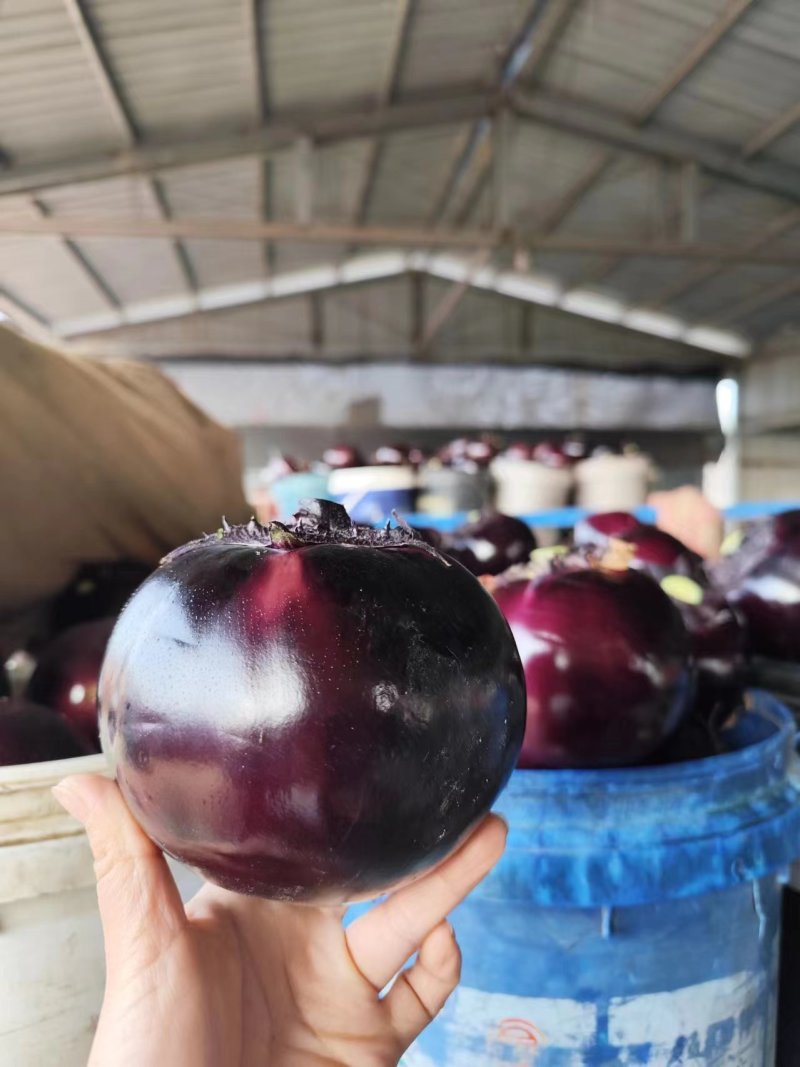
(317, 522)
(617, 555)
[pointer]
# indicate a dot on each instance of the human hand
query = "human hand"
(686, 514)
(236, 981)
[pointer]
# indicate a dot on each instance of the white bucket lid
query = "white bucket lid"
(371, 479)
(611, 466)
(530, 471)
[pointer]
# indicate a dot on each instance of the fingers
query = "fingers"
(383, 939)
(140, 906)
(419, 993)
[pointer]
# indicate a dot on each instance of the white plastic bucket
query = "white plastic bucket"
(371, 494)
(613, 483)
(525, 486)
(52, 968)
(443, 491)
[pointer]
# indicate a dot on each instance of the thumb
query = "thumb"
(140, 906)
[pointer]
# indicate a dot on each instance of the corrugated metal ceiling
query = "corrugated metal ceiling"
(184, 69)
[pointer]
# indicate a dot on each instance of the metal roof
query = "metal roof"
(172, 170)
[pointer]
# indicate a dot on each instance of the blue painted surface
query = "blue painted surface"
(288, 491)
(634, 918)
(371, 505)
(565, 517)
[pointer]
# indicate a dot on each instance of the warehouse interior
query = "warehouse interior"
(399, 427)
(584, 186)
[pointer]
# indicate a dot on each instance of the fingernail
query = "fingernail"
(69, 800)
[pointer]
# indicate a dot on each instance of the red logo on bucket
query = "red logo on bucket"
(518, 1032)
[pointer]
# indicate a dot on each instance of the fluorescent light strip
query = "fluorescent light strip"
(537, 289)
(291, 283)
(654, 322)
(592, 305)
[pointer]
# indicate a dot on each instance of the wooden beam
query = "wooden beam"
(397, 236)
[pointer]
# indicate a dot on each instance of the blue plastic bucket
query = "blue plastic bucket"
(287, 492)
(371, 494)
(635, 917)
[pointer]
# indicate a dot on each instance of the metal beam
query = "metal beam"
(582, 119)
(440, 108)
(304, 181)
(706, 271)
(780, 125)
(316, 322)
(416, 317)
(254, 18)
(28, 318)
(553, 26)
(519, 54)
(96, 279)
(596, 124)
(730, 15)
(689, 196)
(451, 301)
(406, 10)
(742, 309)
(399, 236)
(575, 194)
(122, 116)
(769, 133)
(101, 69)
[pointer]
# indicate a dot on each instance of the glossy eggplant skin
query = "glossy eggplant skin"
(606, 666)
(491, 544)
(762, 580)
(66, 676)
(30, 733)
(598, 528)
(719, 647)
(769, 598)
(314, 724)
